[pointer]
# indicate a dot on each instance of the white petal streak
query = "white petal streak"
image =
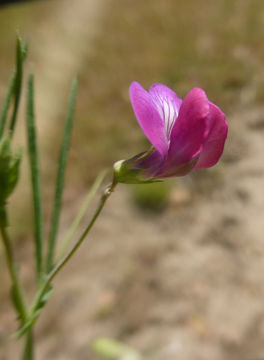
(167, 112)
(168, 105)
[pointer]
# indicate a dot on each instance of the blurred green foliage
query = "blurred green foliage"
(110, 349)
(151, 197)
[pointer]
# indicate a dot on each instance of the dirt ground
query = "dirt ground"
(182, 284)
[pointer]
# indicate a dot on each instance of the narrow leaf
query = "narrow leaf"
(15, 296)
(20, 56)
(60, 176)
(25, 328)
(35, 175)
(6, 103)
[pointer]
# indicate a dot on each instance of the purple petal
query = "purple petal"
(214, 144)
(189, 131)
(151, 161)
(148, 117)
(180, 170)
(167, 104)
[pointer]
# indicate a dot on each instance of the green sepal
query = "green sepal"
(126, 173)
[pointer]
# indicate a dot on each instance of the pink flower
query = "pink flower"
(185, 134)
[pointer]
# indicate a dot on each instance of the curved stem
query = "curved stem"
(97, 183)
(67, 257)
(17, 290)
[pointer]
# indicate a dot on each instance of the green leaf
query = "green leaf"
(21, 52)
(34, 316)
(24, 329)
(17, 293)
(35, 175)
(6, 103)
(45, 298)
(16, 301)
(60, 176)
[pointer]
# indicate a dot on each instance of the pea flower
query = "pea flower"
(185, 134)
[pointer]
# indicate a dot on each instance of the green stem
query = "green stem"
(80, 215)
(67, 257)
(16, 286)
(28, 350)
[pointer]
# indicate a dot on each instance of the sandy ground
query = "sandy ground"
(184, 284)
(65, 44)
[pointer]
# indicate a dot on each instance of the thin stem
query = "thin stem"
(67, 257)
(97, 183)
(16, 289)
(28, 350)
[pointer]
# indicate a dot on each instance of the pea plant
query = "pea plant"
(185, 135)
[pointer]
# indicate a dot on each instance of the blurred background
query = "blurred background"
(174, 270)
